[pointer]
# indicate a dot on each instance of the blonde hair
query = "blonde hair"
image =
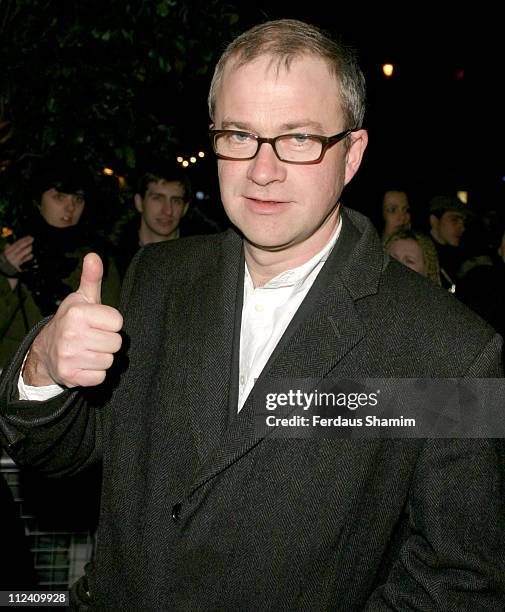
(430, 255)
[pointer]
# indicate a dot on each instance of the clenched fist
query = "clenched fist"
(77, 346)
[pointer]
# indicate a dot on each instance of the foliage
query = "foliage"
(103, 82)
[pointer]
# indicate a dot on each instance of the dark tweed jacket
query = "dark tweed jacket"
(200, 512)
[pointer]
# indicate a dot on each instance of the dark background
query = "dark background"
(120, 83)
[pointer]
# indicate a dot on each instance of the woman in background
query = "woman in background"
(395, 212)
(416, 251)
(40, 262)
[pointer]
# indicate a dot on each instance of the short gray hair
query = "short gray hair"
(287, 39)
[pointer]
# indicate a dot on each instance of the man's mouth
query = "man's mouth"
(263, 201)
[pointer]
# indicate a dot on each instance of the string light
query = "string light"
(192, 159)
(108, 171)
(388, 70)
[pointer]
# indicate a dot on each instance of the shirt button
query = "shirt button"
(259, 308)
(176, 512)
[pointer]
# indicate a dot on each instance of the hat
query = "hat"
(442, 203)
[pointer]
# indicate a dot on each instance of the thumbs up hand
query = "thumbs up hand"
(77, 346)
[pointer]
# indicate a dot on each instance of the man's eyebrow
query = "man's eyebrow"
(304, 125)
(238, 125)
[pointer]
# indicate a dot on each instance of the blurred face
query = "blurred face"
(162, 209)
(61, 209)
(409, 253)
(395, 211)
(449, 229)
(282, 207)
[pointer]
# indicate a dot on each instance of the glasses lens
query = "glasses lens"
(299, 148)
(239, 145)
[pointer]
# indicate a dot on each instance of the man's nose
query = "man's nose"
(168, 207)
(266, 167)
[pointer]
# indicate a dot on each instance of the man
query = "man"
(163, 199)
(200, 510)
(447, 222)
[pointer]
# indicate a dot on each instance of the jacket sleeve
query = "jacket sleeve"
(59, 436)
(454, 557)
(56, 437)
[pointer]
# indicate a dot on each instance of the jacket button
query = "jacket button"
(176, 512)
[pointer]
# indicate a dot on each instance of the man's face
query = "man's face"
(162, 209)
(449, 229)
(277, 205)
(61, 209)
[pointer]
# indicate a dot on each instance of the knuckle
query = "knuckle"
(74, 313)
(118, 343)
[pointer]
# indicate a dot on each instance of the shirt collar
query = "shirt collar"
(296, 277)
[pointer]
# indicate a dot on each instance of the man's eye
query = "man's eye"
(301, 141)
(239, 137)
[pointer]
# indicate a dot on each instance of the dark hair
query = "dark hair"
(168, 173)
(62, 175)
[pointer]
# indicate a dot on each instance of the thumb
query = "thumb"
(91, 278)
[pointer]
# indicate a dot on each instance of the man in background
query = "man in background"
(448, 216)
(163, 201)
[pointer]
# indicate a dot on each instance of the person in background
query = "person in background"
(395, 212)
(447, 218)
(163, 203)
(416, 251)
(481, 285)
(41, 256)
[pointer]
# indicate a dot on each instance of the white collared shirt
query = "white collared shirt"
(268, 310)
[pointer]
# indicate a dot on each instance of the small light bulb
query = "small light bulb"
(388, 70)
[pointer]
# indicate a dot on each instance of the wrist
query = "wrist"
(34, 372)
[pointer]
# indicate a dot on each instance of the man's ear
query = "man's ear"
(185, 208)
(434, 222)
(138, 202)
(355, 153)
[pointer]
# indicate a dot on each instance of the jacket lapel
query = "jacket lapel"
(324, 329)
(211, 338)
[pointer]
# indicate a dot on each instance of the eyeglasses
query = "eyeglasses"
(290, 148)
